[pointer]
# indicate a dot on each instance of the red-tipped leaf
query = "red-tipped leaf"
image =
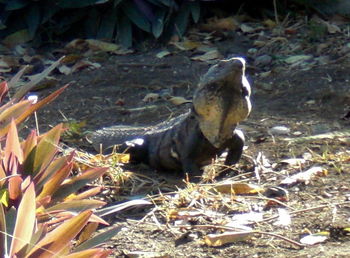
(60, 237)
(25, 221)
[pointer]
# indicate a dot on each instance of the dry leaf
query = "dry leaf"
(238, 188)
(227, 237)
(223, 24)
(183, 213)
(84, 64)
(243, 219)
(179, 100)
(163, 53)
(150, 97)
(270, 23)
(65, 69)
(293, 161)
(246, 28)
(284, 218)
(297, 59)
(79, 44)
(99, 45)
(213, 54)
(71, 59)
(306, 176)
(314, 239)
(187, 45)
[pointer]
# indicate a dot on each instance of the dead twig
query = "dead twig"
(253, 232)
(306, 210)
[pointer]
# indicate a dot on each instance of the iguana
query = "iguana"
(191, 140)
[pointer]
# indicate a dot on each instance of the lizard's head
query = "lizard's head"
(221, 100)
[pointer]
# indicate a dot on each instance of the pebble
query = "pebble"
(263, 60)
(266, 86)
(279, 130)
(252, 51)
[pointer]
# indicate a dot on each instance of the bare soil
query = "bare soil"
(308, 102)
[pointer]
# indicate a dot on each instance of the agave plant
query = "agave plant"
(42, 207)
(103, 19)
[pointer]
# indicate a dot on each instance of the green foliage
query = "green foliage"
(41, 212)
(119, 20)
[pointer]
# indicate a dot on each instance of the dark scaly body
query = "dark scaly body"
(192, 140)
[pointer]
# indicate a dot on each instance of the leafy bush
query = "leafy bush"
(40, 209)
(118, 20)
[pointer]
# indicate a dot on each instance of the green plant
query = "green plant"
(36, 190)
(120, 20)
(41, 208)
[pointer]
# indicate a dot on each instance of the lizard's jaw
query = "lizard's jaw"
(217, 122)
(221, 104)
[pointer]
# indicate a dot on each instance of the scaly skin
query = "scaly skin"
(192, 140)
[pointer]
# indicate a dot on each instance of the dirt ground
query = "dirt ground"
(308, 102)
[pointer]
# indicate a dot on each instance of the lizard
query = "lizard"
(190, 141)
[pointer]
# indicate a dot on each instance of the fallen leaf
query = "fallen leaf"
(99, 45)
(179, 100)
(284, 219)
(314, 239)
(293, 161)
(227, 237)
(306, 176)
(84, 64)
(246, 28)
(213, 54)
(297, 59)
(65, 69)
(223, 24)
(244, 219)
(183, 213)
(270, 23)
(71, 59)
(150, 97)
(163, 53)
(238, 188)
(186, 45)
(79, 44)
(279, 130)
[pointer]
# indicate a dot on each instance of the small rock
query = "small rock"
(246, 28)
(265, 74)
(263, 60)
(279, 130)
(252, 51)
(297, 133)
(266, 86)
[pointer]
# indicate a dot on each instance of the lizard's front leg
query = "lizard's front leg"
(235, 148)
(190, 152)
